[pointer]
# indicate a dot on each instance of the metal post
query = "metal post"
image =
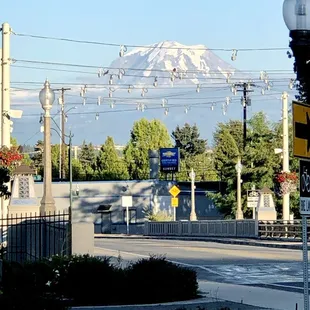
(60, 147)
(286, 197)
(305, 261)
(193, 216)
(127, 217)
(71, 194)
(6, 104)
(47, 202)
(63, 146)
(5, 98)
(244, 114)
(239, 213)
(174, 214)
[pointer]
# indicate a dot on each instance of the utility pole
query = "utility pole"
(245, 88)
(62, 145)
(285, 153)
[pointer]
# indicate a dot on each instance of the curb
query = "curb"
(206, 239)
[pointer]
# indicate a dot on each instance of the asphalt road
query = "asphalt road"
(236, 264)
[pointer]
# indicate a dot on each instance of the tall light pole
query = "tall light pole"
(296, 15)
(193, 216)
(47, 97)
(285, 153)
(239, 213)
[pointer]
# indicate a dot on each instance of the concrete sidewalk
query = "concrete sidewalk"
(255, 296)
(284, 244)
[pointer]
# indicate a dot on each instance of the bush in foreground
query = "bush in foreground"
(86, 280)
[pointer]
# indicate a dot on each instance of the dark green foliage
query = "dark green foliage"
(4, 178)
(85, 280)
(170, 282)
(187, 139)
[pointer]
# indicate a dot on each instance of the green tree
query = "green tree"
(259, 160)
(145, 135)
(87, 158)
(4, 178)
(187, 138)
(203, 165)
(109, 165)
(78, 173)
(55, 151)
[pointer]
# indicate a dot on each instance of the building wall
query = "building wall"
(88, 196)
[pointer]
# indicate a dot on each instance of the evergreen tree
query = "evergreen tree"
(109, 165)
(145, 135)
(87, 158)
(187, 139)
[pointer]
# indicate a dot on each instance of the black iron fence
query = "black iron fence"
(33, 237)
(281, 230)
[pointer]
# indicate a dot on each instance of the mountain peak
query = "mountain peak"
(160, 59)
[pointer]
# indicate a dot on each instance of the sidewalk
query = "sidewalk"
(285, 244)
(255, 296)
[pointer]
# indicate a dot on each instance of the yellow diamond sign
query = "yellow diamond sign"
(174, 191)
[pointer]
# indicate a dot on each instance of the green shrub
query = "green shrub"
(85, 280)
(157, 280)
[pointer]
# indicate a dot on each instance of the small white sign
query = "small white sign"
(252, 204)
(127, 201)
(304, 206)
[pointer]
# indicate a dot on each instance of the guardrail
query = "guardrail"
(216, 228)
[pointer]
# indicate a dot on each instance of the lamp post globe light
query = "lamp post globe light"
(47, 97)
(296, 14)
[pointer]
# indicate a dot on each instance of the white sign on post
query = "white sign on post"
(127, 202)
(252, 200)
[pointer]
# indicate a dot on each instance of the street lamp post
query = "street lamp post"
(47, 97)
(239, 213)
(296, 15)
(193, 216)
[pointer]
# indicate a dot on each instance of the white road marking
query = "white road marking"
(172, 261)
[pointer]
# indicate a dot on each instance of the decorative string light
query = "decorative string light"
(263, 91)
(97, 116)
(140, 107)
(164, 102)
(228, 78)
(234, 55)
(102, 72)
(228, 100)
(83, 91)
(111, 91)
(224, 108)
(99, 100)
(112, 104)
(123, 50)
(234, 89)
(166, 111)
(269, 85)
(186, 110)
(111, 79)
(155, 84)
(121, 72)
(198, 88)
(66, 118)
(212, 106)
(144, 91)
(291, 84)
(130, 88)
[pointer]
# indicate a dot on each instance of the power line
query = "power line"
(125, 46)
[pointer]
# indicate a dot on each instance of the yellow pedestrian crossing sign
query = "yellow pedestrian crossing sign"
(174, 202)
(174, 191)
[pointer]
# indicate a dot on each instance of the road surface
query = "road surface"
(236, 264)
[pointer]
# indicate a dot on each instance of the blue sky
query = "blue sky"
(216, 24)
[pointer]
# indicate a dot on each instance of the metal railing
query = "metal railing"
(212, 228)
(33, 237)
(281, 230)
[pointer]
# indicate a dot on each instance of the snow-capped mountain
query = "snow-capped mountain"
(186, 64)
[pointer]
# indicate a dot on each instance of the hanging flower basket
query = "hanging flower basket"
(286, 183)
(10, 157)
